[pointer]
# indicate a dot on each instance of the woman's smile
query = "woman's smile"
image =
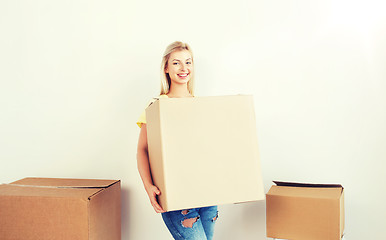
(183, 75)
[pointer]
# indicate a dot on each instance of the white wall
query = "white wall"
(75, 76)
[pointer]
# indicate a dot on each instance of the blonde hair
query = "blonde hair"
(165, 79)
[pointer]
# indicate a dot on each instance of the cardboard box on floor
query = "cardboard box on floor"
(305, 211)
(52, 208)
(203, 151)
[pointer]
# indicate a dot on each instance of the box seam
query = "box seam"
(102, 189)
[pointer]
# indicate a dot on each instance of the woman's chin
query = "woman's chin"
(181, 81)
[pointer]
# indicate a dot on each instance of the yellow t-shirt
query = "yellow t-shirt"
(142, 118)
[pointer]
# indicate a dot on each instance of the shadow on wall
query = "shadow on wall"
(254, 218)
(125, 216)
(241, 221)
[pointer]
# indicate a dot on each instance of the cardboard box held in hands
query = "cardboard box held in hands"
(53, 209)
(203, 151)
(305, 211)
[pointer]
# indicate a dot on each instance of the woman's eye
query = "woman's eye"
(175, 63)
(188, 62)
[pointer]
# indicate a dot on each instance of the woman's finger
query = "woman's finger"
(156, 205)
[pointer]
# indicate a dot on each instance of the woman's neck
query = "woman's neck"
(179, 91)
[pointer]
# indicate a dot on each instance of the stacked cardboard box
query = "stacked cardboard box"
(305, 211)
(52, 208)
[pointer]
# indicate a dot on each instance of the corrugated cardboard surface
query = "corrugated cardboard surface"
(305, 213)
(105, 214)
(46, 208)
(203, 151)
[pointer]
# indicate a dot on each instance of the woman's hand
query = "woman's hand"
(153, 192)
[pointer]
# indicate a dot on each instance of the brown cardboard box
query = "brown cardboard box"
(203, 151)
(305, 211)
(52, 208)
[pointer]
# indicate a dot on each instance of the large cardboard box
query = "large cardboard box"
(305, 211)
(203, 151)
(52, 208)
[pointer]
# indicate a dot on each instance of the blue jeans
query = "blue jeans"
(191, 224)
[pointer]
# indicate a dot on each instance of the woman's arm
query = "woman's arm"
(144, 170)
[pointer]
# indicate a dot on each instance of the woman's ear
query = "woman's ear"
(166, 69)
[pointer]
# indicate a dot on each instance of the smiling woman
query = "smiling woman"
(177, 78)
(177, 67)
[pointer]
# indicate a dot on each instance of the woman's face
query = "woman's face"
(180, 67)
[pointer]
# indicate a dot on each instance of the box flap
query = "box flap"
(37, 191)
(56, 187)
(65, 182)
(308, 190)
(315, 185)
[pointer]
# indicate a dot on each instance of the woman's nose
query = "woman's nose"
(183, 66)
